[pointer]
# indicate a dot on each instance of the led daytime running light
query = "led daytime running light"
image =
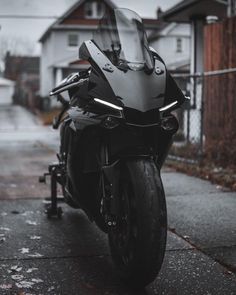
(167, 107)
(111, 105)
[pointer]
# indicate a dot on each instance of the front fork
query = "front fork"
(110, 181)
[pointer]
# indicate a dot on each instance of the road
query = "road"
(71, 256)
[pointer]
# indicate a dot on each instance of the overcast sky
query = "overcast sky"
(26, 32)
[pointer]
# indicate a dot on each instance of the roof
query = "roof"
(6, 82)
(79, 23)
(188, 9)
(183, 64)
(156, 34)
(57, 23)
(152, 23)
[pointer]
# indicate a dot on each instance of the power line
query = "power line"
(30, 16)
(36, 17)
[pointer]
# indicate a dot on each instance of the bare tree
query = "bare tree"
(16, 45)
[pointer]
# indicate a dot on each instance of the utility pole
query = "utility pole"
(231, 8)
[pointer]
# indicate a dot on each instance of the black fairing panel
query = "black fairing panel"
(173, 92)
(82, 93)
(99, 87)
(137, 89)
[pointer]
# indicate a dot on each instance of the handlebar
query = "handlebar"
(66, 86)
(71, 81)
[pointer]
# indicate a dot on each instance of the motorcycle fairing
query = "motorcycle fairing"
(82, 120)
(137, 89)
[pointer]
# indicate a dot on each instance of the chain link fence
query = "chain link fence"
(204, 117)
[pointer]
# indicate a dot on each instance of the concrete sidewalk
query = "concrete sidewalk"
(26, 148)
(204, 215)
(71, 256)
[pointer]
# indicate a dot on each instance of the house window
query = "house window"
(88, 9)
(94, 9)
(100, 9)
(179, 45)
(73, 40)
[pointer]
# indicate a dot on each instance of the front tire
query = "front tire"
(138, 241)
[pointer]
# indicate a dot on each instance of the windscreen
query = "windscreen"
(121, 36)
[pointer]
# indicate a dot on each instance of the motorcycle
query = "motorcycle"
(116, 130)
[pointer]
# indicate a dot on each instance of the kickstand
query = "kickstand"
(53, 210)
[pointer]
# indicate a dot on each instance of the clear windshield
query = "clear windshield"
(121, 36)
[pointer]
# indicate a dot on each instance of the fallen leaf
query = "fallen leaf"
(17, 277)
(37, 280)
(6, 287)
(31, 222)
(24, 250)
(16, 268)
(31, 269)
(5, 228)
(25, 284)
(36, 255)
(27, 213)
(35, 237)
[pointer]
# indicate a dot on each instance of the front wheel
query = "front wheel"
(138, 241)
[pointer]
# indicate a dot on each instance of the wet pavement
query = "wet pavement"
(71, 256)
(26, 148)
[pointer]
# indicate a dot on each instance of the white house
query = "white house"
(172, 42)
(6, 91)
(60, 42)
(195, 13)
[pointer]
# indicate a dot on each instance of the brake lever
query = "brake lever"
(62, 100)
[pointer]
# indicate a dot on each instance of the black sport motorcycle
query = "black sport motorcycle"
(116, 131)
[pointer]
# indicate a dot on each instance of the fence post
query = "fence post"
(202, 119)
